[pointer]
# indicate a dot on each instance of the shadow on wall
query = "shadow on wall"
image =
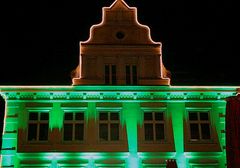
(2, 110)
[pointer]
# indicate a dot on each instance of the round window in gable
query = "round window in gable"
(120, 35)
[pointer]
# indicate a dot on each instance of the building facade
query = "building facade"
(119, 112)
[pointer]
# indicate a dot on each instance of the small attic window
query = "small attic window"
(120, 35)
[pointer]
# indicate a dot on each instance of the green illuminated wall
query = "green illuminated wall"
(177, 114)
(130, 98)
(9, 137)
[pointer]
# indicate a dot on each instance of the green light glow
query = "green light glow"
(56, 117)
(133, 161)
(91, 111)
(131, 113)
(131, 116)
(22, 117)
(9, 137)
(91, 163)
(219, 108)
(177, 114)
(54, 164)
(5, 89)
(9, 142)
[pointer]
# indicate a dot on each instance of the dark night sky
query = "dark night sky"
(40, 40)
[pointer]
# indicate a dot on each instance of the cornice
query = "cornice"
(116, 93)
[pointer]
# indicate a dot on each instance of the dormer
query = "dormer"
(120, 51)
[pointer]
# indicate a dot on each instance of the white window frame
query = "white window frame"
(38, 122)
(74, 122)
(199, 122)
(154, 122)
(109, 122)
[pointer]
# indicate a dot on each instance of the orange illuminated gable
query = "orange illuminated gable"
(120, 16)
(120, 40)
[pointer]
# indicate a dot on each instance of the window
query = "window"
(131, 74)
(109, 126)
(73, 127)
(110, 75)
(199, 125)
(154, 126)
(38, 126)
